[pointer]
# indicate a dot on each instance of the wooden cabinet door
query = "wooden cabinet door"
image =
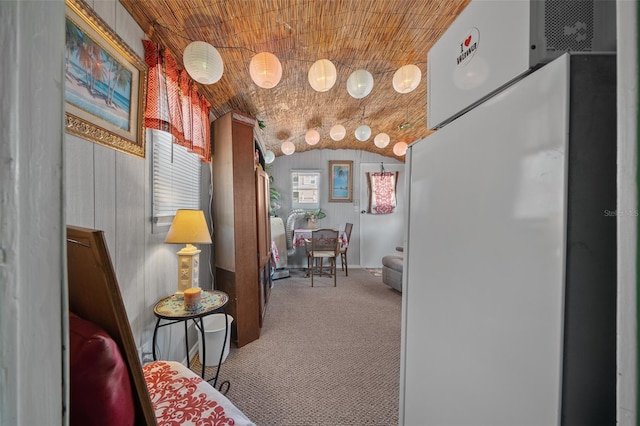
(264, 238)
(262, 211)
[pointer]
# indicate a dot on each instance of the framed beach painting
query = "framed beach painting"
(105, 83)
(341, 181)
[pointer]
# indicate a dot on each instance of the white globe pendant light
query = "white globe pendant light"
(203, 62)
(363, 133)
(360, 84)
(406, 78)
(288, 148)
(400, 149)
(381, 140)
(337, 132)
(265, 70)
(269, 156)
(312, 137)
(322, 75)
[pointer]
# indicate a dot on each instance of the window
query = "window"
(305, 189)
(176, 178)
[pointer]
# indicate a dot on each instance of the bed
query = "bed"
(108, 384)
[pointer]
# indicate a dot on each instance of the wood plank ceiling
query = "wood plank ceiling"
(378, 36)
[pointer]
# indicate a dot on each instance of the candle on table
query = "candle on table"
(192, 298)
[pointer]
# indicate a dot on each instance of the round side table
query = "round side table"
(171, 309)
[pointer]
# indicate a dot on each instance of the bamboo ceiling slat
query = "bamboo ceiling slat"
(379, 36)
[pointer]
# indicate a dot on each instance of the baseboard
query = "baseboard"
(193, 351)
(305, 266)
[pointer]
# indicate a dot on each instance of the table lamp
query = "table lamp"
(188, 227)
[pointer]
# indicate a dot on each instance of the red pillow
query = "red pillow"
(100, 389)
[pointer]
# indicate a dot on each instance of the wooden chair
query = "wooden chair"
(324, 244)
(343, 251)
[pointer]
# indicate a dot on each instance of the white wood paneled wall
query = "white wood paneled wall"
(111, 191)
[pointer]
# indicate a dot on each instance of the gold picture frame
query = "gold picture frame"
(340, 181)
(105, 83)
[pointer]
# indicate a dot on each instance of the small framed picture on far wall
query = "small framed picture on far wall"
(341, 181)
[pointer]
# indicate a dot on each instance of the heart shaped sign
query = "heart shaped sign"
(467, 41)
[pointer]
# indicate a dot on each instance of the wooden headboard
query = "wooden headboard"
(94, 295)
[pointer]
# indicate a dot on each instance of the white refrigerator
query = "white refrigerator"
(509, 292)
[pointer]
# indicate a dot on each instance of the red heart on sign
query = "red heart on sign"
(467, 41)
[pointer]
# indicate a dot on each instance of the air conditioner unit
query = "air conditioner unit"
(492, 43)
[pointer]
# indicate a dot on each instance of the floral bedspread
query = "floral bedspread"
(181, 397)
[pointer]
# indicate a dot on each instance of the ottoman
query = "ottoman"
(392, 271)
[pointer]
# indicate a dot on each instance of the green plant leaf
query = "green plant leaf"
(274, 194)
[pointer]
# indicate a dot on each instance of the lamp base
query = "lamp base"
(188, 269)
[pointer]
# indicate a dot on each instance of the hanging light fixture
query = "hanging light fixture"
(381, 140)
(363, 133)
(203, 62)
(312, 137)
(265, 70)
(400, 149)
(337, 132)
(360, 84)
(288, 148)
(269, 156)
(322, 75)
(406, 78)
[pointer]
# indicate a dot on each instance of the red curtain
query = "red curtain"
(173, 103)
(195, 113)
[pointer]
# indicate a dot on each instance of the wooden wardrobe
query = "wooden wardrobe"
(240, 206)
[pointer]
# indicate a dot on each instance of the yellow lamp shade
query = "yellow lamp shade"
(265, 70)
(322, 75)
(406, 78)
(203, 62)
(188, 227)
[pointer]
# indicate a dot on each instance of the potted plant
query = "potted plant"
(274, 197)
(312, 216)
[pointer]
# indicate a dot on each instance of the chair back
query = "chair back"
(325, 240)
(347, 230)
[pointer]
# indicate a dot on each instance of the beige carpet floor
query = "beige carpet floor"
(326, 356)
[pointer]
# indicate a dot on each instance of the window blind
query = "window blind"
(176, 178)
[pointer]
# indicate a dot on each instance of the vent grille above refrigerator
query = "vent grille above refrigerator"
(560, 26)
(568, 25)
(508, 39)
